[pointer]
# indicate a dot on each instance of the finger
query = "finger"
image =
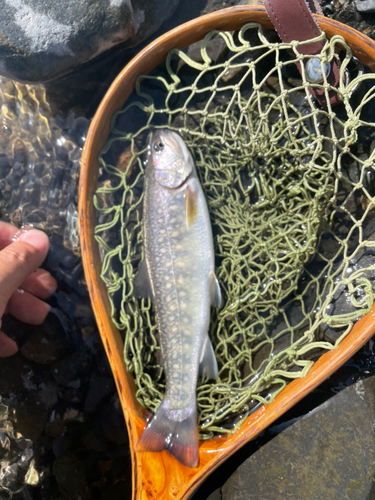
(7, 233)
(27, 308)
(7, 346)
(18, 260)
(40, 283)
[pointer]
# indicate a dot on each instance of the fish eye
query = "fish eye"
(158, 146)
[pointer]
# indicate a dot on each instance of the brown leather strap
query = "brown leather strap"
(293, 20)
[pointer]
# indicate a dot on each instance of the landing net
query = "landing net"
(291, 195)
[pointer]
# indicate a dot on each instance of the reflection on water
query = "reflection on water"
(53, 388)
(39, 163)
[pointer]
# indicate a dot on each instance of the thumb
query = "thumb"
(18, 260)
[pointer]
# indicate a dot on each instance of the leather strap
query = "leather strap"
(293, 20)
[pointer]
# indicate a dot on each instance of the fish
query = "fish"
(178, 274)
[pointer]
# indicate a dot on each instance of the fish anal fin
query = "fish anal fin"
(191, 206)
(141, 283)
(178, 437)
(208, 364)
(215, 292)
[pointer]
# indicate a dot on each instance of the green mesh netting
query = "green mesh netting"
(290, 189)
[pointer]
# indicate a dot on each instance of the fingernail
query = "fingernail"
(36, 238)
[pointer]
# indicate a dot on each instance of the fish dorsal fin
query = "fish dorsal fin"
(207, 363)
(215, 292)
(191, 206)
(141, 283)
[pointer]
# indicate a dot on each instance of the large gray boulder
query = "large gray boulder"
(43, 39)
(329, 454)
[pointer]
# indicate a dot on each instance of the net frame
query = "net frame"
(353, 282)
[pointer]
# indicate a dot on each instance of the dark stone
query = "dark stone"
(12, 372)
(95, 442)
(17, 330)
(48, 394)
(113, 423)
(68, 369)
(365, 5)
(99, 389)
(42, 40)
(329, 453)
(61, 444)
(5, 165)
(44, 349)
(363, 258)
(215, 495)
(70, 476)
(31, 417)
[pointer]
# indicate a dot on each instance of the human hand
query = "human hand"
(21, 282)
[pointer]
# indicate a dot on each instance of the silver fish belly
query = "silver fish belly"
(179, 265)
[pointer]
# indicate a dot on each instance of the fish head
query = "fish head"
(169, 158)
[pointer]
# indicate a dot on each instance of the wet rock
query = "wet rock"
(32, 475)
(42, 40)
(94, 441)
(5, 166)
(12, 372)
(329, 453)
(113, 424)
(215, 495)
(365, 5)
(17, 330)
(61, 444)
(44, 349)
(56, 426)
(30, 417)
(9, 475)
(99, 389)
(48, 394)
(342, 301)
(70, 476)
(68, 369)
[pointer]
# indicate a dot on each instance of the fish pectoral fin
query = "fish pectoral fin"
(215, 292)
(191, 206)
(208, 364)
(141, 283)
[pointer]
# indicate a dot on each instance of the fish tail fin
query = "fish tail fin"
(178, 437)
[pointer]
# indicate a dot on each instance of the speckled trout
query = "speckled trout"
(178, 274)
